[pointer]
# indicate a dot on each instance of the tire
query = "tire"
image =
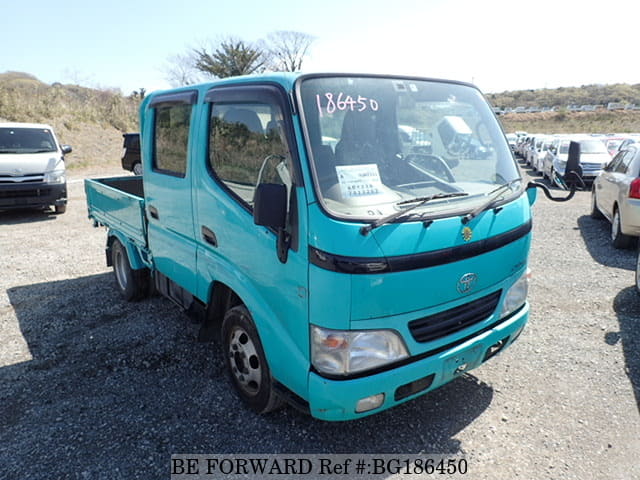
(619, 239)
(638, 272)
(595, 213)
(133, 284)
(60, 209)
(245, 361)
(137, 169)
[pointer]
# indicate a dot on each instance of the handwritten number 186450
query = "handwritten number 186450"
(344, 102)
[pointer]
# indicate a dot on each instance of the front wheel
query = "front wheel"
(595, 212)
(133, 284)
(60, 209)
(619, 239)
(246, 363)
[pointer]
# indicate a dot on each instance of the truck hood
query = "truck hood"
(425, 265)
(18, 164)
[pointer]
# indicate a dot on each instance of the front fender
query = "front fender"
(289, 365)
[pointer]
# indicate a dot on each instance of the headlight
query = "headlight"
(57, 176)
(343, 352)
(516, 296)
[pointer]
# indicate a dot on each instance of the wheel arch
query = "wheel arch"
(289, 365)
(135, 258)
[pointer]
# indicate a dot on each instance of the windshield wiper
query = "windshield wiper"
(494, 195)
(418, 202)
(4, 150)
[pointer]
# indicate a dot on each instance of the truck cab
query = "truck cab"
(349, 268)
(32, 168)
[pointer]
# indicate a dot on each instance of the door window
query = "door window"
(623, 165)
(247, 146)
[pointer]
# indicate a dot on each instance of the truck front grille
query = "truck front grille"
(453, 320)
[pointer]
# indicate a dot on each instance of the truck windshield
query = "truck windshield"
(26, 140)
(376, 142)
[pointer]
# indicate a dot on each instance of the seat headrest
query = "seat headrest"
(246, 117)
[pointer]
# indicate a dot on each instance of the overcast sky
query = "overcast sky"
(497, 44)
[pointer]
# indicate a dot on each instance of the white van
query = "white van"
(32, 169)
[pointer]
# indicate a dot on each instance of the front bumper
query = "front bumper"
(28, 195)
(336, 400)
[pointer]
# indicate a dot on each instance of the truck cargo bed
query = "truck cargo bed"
(118, 203)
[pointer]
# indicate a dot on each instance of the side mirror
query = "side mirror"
(573, 171)
(270, 210)
(66, 149)
(270, 205)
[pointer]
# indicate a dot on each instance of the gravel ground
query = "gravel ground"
(94, 387)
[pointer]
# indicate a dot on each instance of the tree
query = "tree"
(231, 58)
(288, 49)
(181, 70)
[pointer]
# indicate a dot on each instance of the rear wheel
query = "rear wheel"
(246, 363)
(619, 239)
(137, 169)
(133, 284)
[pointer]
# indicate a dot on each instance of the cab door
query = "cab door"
(250, 140)
(168, 193)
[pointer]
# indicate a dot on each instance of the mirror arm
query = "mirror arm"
(572, 191)
(284, 243)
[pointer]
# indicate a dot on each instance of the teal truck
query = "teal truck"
(358, 240)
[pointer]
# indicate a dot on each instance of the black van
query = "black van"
(131, 153)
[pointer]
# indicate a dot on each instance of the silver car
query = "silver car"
(594, 157)
(616, 196)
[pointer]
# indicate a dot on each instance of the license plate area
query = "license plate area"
(461, 362)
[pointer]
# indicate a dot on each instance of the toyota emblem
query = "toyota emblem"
(467, 282)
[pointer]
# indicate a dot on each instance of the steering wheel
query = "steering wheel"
(267, 159)
(459, 145)
(433, 164)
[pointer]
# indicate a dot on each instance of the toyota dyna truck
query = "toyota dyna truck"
(359, 240)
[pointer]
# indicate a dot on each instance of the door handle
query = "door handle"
(208, 236)
(153, 211)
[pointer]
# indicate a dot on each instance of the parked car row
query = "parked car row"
(547, 154)
(610, 166)
(569, 108)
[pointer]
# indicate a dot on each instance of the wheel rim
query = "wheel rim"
(120, 268)
(137, 169)
(244, 361)
(615, 225)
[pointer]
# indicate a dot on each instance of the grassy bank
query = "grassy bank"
(573, 122)
(91, 121)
